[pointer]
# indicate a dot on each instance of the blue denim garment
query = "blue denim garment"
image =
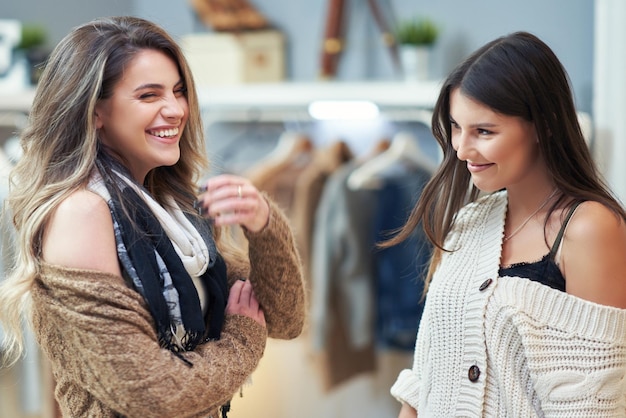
(399, 270)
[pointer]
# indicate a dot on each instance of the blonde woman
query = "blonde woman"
(138, 299)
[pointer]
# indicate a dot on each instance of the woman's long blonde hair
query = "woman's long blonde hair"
(60, 146)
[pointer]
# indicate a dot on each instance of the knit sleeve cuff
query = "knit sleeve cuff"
(275, 220)
(248, 332)
(405, 389)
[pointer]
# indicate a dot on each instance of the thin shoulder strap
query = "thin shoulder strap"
(559, 236)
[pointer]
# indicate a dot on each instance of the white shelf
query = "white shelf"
(298, 95)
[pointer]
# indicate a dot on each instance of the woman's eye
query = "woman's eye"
(180, 91)
(147, 96)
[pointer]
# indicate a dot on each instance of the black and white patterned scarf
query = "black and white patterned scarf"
(168, 257)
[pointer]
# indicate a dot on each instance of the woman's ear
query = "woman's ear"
(99, 121)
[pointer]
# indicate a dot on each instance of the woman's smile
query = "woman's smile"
(166, 136)
(476, 168)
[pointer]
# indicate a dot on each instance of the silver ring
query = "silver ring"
(239, 191)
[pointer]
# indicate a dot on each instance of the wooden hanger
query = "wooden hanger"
(291, 148)
(404, 149)
(379, 147)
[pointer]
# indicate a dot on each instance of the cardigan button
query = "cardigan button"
(473, 373)
(485, 284)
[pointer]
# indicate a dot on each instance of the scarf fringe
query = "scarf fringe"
(225, 409)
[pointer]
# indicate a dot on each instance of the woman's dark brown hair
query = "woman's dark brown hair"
(514, 75)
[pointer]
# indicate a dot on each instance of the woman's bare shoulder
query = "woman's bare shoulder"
(80, 234)
(594, 255)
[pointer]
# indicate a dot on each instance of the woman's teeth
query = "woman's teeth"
(165, 133)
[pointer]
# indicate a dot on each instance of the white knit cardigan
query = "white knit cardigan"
(540, 352)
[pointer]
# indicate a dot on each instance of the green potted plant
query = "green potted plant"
(415, 38)
(417, 31)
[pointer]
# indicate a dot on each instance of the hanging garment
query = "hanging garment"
(342, 316)
(307, 194)
(404, 149)
(399, 270)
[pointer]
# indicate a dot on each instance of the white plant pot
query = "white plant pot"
(415, 62)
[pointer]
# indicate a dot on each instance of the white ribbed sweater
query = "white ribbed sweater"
(541, 352)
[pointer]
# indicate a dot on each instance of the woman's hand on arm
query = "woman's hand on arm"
(243, 301)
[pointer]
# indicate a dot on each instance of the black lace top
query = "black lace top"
(545, 271)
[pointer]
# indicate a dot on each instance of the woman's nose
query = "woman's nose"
(175, 107)
(461, 144)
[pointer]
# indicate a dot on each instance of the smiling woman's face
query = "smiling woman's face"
(500, 150)
(143, 121)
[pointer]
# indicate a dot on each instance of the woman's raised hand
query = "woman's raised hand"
(231, 200)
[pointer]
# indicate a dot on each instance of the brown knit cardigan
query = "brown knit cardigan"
(102, 345)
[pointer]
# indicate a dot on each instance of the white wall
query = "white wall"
(609, 99)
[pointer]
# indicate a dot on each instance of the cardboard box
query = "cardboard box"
(229, 58)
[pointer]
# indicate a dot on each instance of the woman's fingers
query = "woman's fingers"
(243, 301)
(231, 200)
(246, 293)
(234, 294)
